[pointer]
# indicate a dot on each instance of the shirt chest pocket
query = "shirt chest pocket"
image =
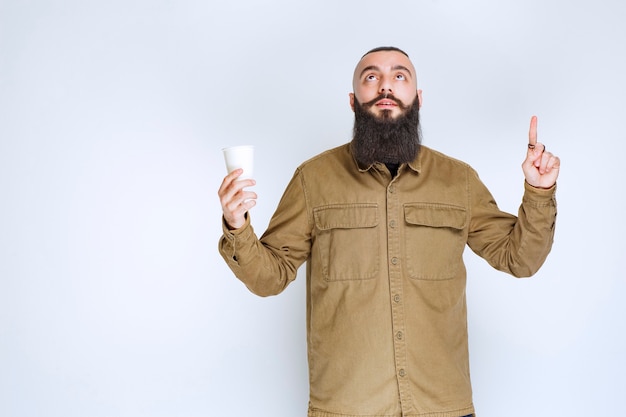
(434, 240)
(347, 244)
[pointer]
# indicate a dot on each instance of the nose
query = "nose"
(385, 87)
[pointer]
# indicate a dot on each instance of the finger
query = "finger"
(236, 207)
(228, 179)
(547, 162)
(537, 154)
(238, 199)
(235, 195)
(553, 163)
(230, 184)
(226, 182)
(532, 133)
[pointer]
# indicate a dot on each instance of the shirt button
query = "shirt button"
(392, 189)
(394, 261)
(396, 298)
(392, 224)
(402, 373)
(399, 335)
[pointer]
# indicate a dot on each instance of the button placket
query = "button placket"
(395, 286)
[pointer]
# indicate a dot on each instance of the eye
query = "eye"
(370, 77)
(400, 77)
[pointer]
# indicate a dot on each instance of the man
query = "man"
(382, 223)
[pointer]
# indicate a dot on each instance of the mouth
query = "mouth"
(386, 104)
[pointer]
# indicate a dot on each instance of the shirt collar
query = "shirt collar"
(415, 165)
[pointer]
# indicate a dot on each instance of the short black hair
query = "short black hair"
(385, 48)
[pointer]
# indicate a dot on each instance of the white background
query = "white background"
(113, 298)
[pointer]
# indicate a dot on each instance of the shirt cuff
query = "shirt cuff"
(235, 232)
(539, 195)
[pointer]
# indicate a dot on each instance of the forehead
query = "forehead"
(384, 61)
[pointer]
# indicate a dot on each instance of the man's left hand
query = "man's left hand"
(541, 168)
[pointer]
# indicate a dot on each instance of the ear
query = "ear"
(419, 97)
(351, 95)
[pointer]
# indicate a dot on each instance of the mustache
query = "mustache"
(385, 96)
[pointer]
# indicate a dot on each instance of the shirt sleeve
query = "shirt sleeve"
(267, 265)
(520, 244)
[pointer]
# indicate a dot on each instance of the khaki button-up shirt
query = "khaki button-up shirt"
(386, 308)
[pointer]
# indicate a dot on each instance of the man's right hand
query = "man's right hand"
(235, 200)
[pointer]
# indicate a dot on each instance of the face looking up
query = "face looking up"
(384, 82)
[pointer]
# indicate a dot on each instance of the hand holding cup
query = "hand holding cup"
(234, 199)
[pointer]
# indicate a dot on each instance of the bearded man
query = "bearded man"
(382, 223)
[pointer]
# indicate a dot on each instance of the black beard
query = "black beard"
(384, 139)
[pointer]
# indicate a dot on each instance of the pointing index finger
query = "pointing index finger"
(532, 133)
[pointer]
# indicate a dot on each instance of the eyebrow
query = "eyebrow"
(394, 68)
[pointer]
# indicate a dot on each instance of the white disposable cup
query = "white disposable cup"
(240, 157)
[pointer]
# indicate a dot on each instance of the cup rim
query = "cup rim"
(237, 146)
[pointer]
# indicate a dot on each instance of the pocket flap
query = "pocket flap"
(346, 216)
(435, 215)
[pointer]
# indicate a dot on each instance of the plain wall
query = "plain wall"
(114, 300)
